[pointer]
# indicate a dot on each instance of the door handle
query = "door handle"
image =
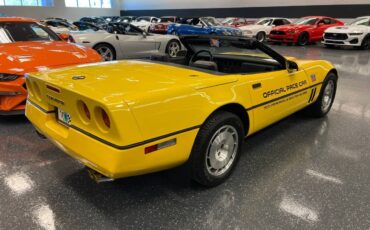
(256, 85)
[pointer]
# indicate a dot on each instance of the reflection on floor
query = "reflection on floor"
(298, 174)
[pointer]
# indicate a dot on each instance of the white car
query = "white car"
(262, 28)
(144, 22)
(127, 41)
(356, 34)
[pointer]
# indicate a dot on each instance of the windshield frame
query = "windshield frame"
(210, 21)
(353, 23)
(252, 43)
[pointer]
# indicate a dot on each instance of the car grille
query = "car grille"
(277, 32)
(335, 36)
(334, 42)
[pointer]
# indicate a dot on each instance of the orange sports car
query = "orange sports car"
(27, 46)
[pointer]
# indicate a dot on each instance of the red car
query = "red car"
(304, 30)
(161, 26)
(237, 22)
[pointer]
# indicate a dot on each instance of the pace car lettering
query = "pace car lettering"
(285, 99)
(284, 90)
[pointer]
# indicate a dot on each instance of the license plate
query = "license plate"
(64, 117)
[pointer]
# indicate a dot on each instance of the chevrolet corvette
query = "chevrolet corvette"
(27, 46)
(356, 34)
(303, 31)
(127, 41)
(132, 117)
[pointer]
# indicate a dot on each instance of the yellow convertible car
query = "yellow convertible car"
(133, 117)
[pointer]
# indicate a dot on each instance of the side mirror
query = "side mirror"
(291, 66)
(64, 37)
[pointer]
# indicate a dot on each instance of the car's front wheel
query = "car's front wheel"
(261, 36)
(173, 47)
(365, 45)
(326, 97)
(216, 149)
(106, 52)
(303, 39)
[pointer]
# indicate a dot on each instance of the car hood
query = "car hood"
(292, 27)
(348, 29)
(130, 80)
(23, 57)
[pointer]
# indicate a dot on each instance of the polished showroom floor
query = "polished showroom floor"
(301, 173)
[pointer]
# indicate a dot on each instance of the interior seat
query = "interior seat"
(208, 65)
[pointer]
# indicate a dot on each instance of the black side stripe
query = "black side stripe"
(312, 95)
(125, 147)
(282, 97)
(40, 108)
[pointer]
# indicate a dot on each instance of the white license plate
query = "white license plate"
(64, 117)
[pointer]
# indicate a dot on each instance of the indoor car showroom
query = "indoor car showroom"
(173, 114)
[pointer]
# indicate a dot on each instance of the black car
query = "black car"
(98, 21)
(86, 26)
(125, 19)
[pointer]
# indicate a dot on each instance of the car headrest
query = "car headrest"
(209, 65)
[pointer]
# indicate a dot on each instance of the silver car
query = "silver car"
(123, 40)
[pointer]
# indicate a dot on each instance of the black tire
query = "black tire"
(365, 45)
(170, 46)
(276, 43)
(303, 39)
(108, 47)
(261, 36)
(199, 162)
(316, 109)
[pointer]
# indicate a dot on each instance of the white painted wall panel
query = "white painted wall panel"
(59, 10)
(193, 4)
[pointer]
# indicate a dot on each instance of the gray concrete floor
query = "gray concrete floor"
(301, 173)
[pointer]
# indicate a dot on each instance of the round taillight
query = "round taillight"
(86, 111)
(105, 118)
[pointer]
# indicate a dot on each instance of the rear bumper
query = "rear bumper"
(13, 95)
(110, 161)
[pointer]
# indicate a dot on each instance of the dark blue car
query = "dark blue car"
(202, 25)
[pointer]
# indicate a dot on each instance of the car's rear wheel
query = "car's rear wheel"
(106, 52)
(173, 47)
(303, 39)
(261, 36)
(365, 45)
(326, 97)
(216, 149)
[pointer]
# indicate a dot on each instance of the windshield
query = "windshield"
(227, 47)
(167, 20)
(228, 21)
(306, 21)
(25, 31)
(264, 21)
(211, 21)
(143, 19)
(361, 22)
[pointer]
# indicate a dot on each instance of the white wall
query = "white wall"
(59, 10)
(193, 4)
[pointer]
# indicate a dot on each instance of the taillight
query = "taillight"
(105, 118)
(86, 111)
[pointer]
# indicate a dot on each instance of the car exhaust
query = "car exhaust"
(98, 177)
